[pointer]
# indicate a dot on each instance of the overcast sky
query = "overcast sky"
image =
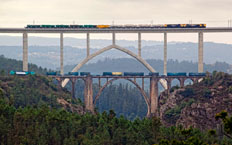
(18, 13)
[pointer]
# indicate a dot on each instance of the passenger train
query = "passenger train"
(128, 26)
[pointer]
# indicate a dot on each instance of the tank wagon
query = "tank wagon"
(116, 26)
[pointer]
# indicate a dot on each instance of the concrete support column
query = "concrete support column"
(87, 43)
(25, 52)
(113, 38)
(200, 52)
(181, 82)
(89, 106)
(139, 44)
(169, 84)
(61, 54)
(154, 96)
(165, 53)
(73, 87)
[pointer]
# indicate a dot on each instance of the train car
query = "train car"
(153, 74)
(85, 73)
(89, 26)
(177, 74)
(112, 74)
(76, 26)
(133, 74)
(62, 26)
(73, 73)
(22, 73)
(47, 26)
(51, 73)
(103, 26)
(32, 26)
(197, 74)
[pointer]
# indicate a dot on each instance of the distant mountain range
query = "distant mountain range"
(45, 52)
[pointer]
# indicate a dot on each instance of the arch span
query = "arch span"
(140, 89)
(148, 66)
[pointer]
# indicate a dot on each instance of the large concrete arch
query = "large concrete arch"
(140, 89)
(148, 66)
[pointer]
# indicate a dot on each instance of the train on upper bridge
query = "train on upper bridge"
(126, 26)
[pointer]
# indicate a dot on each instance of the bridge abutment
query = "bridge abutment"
(88, 94)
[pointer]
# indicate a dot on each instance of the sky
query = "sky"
(19, 13)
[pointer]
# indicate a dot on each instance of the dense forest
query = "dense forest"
(43, 125)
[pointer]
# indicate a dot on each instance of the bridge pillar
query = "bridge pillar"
(113, 38)
(200, 52)
(165, 53)
(181, 82)
(61, 54)
(73, 80)
(87, 43)
(139, 44)
(89, 106)
(169, 84)
(25, 52)
(154, 96)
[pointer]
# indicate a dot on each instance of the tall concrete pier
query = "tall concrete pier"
(61, 54)
(139, 44)
(165, 53)
(200, 52)
(87, 43)
(88, 94)
(154, 96)
(25, 52)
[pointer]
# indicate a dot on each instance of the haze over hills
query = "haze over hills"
(45, 51)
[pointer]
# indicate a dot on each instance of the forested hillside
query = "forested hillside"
(36, 91)
(6, 65)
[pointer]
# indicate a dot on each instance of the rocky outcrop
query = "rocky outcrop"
(72, 107)
(198, 108)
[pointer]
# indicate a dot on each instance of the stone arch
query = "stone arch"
(140, 89)
(191, 81)
(148, 66)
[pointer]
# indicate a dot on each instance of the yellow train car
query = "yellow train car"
(116, 73)
(103, 26)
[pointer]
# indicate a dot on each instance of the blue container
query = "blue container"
(85, 73)
(153, 74)
(197, 74)
(73, 73)
(51, 73)
(133, 74)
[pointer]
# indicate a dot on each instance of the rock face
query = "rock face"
(72, 107)
(198, 104)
